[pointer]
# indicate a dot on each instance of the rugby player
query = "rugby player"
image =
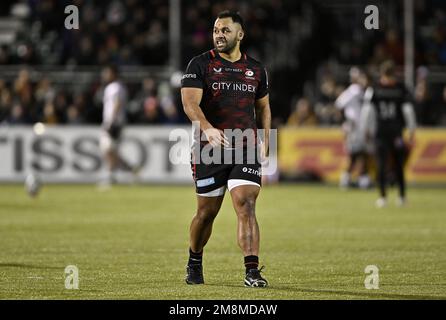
(113, 121)
(226, 89)
(350, 102)
(387, 109)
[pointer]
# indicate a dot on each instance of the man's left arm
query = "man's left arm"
(263, 118)
(263, 111)
(409, 115)
(117, 106)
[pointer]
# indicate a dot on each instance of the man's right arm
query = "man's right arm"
(192, 85)
(346, 97)
(191, 98)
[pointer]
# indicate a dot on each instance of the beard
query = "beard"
(228, 46)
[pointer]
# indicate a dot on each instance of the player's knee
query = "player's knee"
(206, 214)
(245, 205)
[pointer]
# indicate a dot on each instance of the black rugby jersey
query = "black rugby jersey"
(388, 101)
(230, 89)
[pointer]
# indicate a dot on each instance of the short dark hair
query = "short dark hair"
(113, 68)
(235, 16)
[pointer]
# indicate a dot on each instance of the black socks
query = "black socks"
(195, 258)
(251, 262)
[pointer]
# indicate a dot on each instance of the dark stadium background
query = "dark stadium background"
(307, 47)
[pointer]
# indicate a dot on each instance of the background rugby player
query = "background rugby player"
(226, 89)
(350, 102)
(387, 110)
(113, 121)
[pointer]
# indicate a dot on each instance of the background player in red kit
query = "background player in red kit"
(226, 89)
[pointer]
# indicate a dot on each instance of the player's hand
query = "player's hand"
(216, 137)
(264, 152)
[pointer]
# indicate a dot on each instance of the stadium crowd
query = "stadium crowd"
(313, 43)
(25, 101)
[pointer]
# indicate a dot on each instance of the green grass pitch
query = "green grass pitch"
(131, 243)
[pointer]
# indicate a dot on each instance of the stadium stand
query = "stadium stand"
(51, 74)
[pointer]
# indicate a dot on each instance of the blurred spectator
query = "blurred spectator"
(25, 108)
(22, 84)
(44, 91)
(426, 96)
(137, 105)
(74, 116)
(59, 107)
(303, 114)
(394, 46)
(105, 28)
(5, 102)
(167, 103)
(151, 110)
(154, 103)
(85, 55)
(423, 104)
(325, 109)
(17, 115)
(49, 114)
(4, 56)
(379, 56)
